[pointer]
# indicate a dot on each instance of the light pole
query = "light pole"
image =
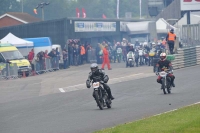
(140, 9)
(41, 5)
(118, 9)
(22, 6)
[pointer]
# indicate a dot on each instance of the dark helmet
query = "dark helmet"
(172, 30)
(94, 67)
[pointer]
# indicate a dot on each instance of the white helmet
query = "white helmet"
(145, 44)
(163, 56)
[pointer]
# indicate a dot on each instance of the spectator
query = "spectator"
(46, 54)
(57, 58)
(52, 54)
(75, 49)
(65, 58)
(40, 61)
(71, 52)
(82, 51)
(30, 58)
(98, 54)
(88, 47)
(43, 60)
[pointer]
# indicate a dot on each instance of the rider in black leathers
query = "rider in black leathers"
(162, 64)
(96, 75)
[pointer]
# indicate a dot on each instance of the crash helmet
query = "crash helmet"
(163, 56)
(172, 30)
(153, 43)
(145, 44)
(94, 67)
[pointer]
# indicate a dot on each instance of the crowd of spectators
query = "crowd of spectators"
(76, 53)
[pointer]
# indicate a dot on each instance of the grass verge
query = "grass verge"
(184, 120)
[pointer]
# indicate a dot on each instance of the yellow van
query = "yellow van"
(9, 53)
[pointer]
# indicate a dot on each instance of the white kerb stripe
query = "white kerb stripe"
(61, 90)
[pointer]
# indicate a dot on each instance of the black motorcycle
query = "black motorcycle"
(101, 95)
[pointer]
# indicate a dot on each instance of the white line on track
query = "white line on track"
(61, 90)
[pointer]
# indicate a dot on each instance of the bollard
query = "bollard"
(24, 74)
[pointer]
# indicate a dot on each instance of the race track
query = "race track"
(28, 107)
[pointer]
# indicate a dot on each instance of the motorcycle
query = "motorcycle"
(166, 81)
(119, 54)
(151, 55)
(130, 59)
(141, 59)
(101, 96)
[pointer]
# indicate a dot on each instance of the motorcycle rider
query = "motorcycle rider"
(164, 63)
(97, 73)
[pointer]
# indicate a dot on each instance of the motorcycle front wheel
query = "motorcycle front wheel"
(163, 86)
(98, 101)
(169, 85)
(108, 102)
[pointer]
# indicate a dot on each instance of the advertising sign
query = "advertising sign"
(187, 5)
(91, 26)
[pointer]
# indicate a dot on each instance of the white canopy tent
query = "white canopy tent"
(138, 27)
(163, 26)
(23, 46)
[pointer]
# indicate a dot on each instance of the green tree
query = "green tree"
(67, 8)
(9, 6)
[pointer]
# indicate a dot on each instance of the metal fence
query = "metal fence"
(91, 56)
(190, 35)
(8, 71)
(46, 65)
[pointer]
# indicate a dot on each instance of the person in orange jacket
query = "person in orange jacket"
(106, 58)
(171, 38)
(82, 50)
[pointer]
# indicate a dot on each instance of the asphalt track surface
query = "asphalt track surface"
(76, 111)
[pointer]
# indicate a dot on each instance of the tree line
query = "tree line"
(67, 8)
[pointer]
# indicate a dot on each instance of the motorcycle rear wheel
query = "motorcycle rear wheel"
(99, 103)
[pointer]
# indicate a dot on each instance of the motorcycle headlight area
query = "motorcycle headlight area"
(162, 74)
(96, 84)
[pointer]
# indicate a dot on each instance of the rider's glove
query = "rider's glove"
(88, 84)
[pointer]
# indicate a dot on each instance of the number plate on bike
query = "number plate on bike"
(162, 74)
(95, 84)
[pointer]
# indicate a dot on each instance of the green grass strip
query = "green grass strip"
(184, 120)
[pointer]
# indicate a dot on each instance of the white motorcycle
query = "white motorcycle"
(130, 59)
(119, 54)
(166, 81)
(141, 59)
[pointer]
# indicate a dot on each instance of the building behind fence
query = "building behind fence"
(190, 35)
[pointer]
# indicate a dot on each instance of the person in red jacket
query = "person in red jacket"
(30, 58)
(106, 58)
